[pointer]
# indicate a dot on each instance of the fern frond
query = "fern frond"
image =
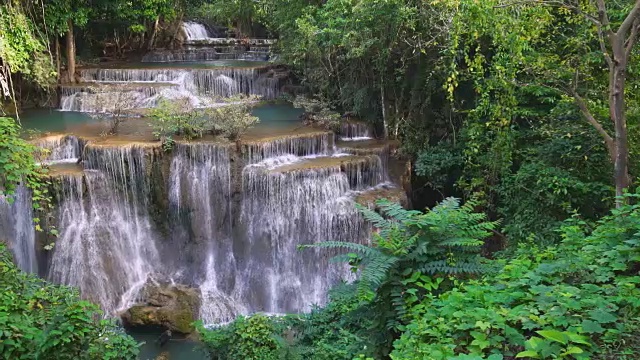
(375, 272)
(364, 249)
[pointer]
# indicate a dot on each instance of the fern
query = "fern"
(408, 246)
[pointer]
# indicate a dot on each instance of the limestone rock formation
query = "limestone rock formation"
(172, 307)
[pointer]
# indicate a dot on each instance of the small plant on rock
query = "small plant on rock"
(177, 117)
(318, 113)
(234, 119)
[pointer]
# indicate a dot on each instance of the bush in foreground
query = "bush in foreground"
(42, 321)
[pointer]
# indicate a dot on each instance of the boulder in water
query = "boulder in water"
(172, 307)
(163, 356)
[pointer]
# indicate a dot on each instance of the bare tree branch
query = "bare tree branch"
(629, 20)
(584, 109)
(604, 17)
(603, 46)
(633, 38)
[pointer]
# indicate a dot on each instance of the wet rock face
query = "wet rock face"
(172, 307)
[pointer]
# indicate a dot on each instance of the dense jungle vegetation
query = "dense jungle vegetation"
(521, 120)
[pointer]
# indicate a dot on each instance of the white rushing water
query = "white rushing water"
(237, 242)
(142, 88)
(351, 131)
(226, 218)
(17, 228)
(106, 246)
(59, 148)
(195, 31)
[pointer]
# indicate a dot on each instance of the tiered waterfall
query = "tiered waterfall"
(227, 218)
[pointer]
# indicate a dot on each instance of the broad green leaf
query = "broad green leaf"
(528, 354)
(591, 327)
(554, 335)
(573, 350)
(602, 316)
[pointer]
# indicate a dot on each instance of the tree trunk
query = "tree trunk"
(152, 40)
(617, 110)
(71, 53)
(58, 57)
(384, 110)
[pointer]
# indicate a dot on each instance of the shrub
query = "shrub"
(318, 113)
(234, 119)
(177, 117)
(250, 338)
(39, 320)
(577, 300)
(412, 254)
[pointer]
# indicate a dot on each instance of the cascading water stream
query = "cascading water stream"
(195, 31)
(355, 131)
(200, 195)
(282, 211)
(17, 228)
(59, 149)
(141, 88)
(106, 246)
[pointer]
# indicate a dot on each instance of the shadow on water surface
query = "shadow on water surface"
(178, 347)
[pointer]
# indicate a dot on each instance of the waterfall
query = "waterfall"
(381, 150)
(191, 83)
(106, 245)
(217, 306)
(200, 194)
(355, 131)
(59, 148)
(319, 143)
(109, 97)
(256, 53)
(234, 218)
(282, 210)
(195, 31)
(17, 228)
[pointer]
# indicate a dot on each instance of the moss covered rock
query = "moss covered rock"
(172, 307)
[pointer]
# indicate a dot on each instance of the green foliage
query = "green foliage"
(239, 13)
(43, 321)
(436, 164)
(18, 166)
(178, 117)
(408, 244)
(575, 300)
(413, 255)
(534, 200)
(22, 51)
(234, 119)
(59, 13)
(251, 338)
(318, 113)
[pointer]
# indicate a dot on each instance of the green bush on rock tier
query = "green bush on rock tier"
(179, 117)
(42, 321)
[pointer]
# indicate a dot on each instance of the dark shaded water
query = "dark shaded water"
(177, 348)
